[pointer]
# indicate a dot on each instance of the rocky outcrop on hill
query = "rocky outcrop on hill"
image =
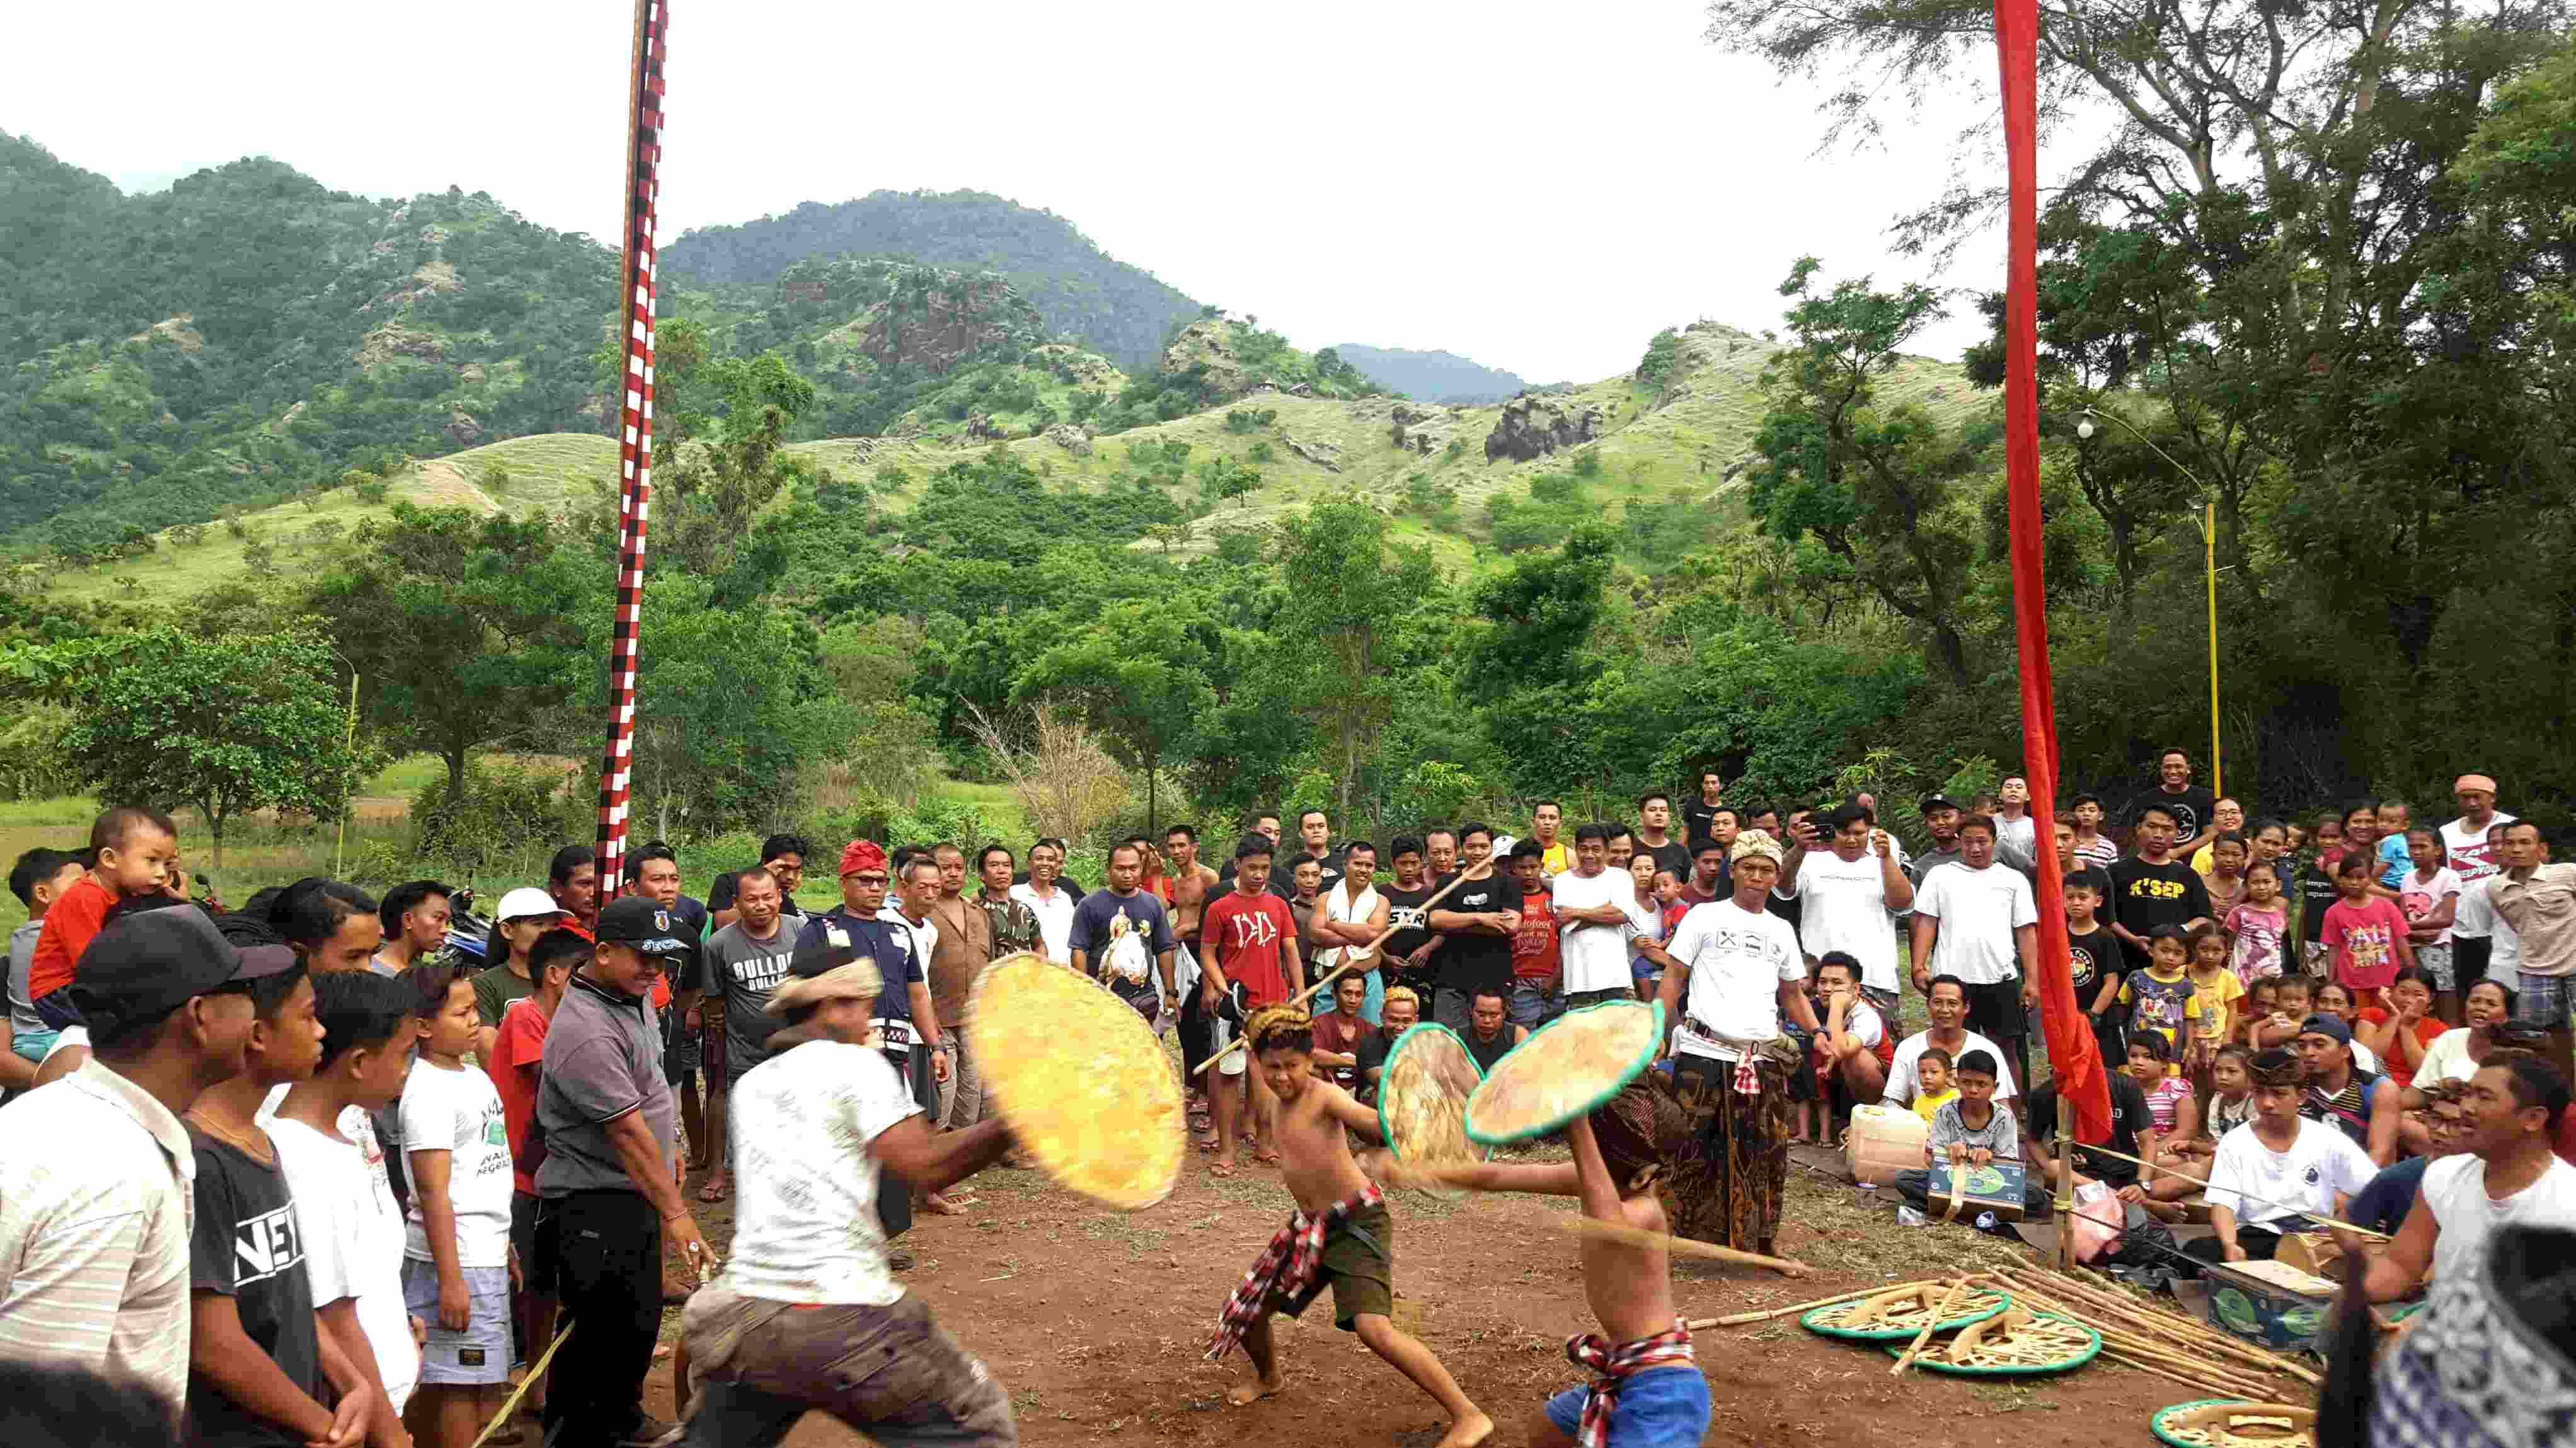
(393, 340)
(1075, 440)
(936, 325)
(1533, 427)
(1424, 430)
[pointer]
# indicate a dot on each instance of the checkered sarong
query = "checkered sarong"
(1612, 1365)
(1285, 1267)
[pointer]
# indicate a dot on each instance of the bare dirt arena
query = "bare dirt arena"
(1095, 1320)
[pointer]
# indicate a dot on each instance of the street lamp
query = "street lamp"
(2085, 428)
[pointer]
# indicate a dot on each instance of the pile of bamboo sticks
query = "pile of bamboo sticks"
(2154, 1339)
(2135, 1333)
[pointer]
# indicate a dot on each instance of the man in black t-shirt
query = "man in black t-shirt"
(2133, 1133)
(1410, 951)
(2190, 805)
(1698, 813)
(1480, 917)
(1654, 823)
(2152, 887)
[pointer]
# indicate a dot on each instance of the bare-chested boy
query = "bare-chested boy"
(1647, 1390)
(1341, 1235)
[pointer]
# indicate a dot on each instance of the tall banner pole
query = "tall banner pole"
(635, 431)
(2209, 542)
(2075, 1062)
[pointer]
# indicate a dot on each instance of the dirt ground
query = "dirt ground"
(1095, 1320)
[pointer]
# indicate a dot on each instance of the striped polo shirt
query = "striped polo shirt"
(96, 1206)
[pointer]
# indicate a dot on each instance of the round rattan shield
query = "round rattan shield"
(1899, 1313)
(1422, 1101)
(2016, 1344)
(1080, 1077)
(2235, 1423)
(1567, 1068)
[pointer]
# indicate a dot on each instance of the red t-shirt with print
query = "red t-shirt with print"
(516, 1054)
(1248, 935)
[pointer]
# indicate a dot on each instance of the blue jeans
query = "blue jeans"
(1534, 1004)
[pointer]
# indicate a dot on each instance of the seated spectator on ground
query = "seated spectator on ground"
(2280, 1173)
(2382, 1203)
(2133, 1133)
(1397, 1014)
(1973, 1131)
(1338, 1032)
(1933, 1087)
(1946, 999)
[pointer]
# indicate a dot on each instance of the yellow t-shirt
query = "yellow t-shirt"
(1558, 859)
(2219, 990)
(1927, 1106)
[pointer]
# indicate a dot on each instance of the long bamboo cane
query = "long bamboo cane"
(1353, 953)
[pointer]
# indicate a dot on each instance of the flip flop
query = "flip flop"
(1219, 1169)
(712, 1190)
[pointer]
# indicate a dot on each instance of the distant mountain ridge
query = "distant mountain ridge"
(1443, 377)
(1120, 311)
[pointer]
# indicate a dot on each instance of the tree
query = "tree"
(1349, 591)
(225, 725)
(1877, 486)
(1138, 677)
(1543, 611)
(468, 630)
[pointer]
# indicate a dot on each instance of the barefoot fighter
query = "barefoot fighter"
(1646, 1389)
(806, 1314)
(1340, 1236)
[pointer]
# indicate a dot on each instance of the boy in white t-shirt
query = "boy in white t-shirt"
(456, 1237)
(2277, 1171)
(344, 1206)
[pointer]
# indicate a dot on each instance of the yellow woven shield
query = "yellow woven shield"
(1422, 1101)
(1081, 1079)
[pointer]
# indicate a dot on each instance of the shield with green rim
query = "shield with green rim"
(1986, 1302)
(1567, 1068)
(1422, 1095)
(2078, 1353)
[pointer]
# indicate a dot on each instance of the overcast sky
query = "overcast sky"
(1539, 187)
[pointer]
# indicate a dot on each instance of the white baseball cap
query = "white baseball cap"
(525, 901)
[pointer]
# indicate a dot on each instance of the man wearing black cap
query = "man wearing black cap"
(807, 1313)
(607, 1189)
(2361, 1105)
(96, 1170)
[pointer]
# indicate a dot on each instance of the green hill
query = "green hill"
(1471, 481)
(1105, 305)
(248, 334)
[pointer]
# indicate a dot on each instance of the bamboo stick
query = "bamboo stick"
(2095, 1306)
(1939, 1314)
(2213, 1389)
(1351, 957)
(2249, 1196)
(2188, 1331)
(1639, 1237)
(1738, 1319)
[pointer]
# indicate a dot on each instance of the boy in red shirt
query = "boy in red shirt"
(518, 1049)
(1251, 941)
(132, 850)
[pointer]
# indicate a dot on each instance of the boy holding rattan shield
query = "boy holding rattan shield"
(1647, 1389)
(1340, 1236)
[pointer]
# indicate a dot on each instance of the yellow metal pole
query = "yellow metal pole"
(350, 744)
(2209, 540)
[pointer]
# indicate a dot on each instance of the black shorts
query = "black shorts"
(1995, 1011)
(536, 1269)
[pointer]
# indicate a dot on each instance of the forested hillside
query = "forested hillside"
(1104, 304)
(250, 333)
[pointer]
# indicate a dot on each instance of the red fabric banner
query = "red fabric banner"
(634, 435)
(2075, 1062)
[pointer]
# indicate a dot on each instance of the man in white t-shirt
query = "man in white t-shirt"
(1730, 970)
(2503, 1175)
(1597, 910)
(1049, 900)
(1851, 892)
(1853, 1049)
(1978, 922)
(2464, 840)
(807, 1313)
(1946, 1001)
(2277, 1171)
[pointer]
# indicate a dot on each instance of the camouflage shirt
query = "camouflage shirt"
(1015, 925)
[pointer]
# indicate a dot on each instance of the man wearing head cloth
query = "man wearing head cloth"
(1730, 970)
(907, 1023)
(807, 1313)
